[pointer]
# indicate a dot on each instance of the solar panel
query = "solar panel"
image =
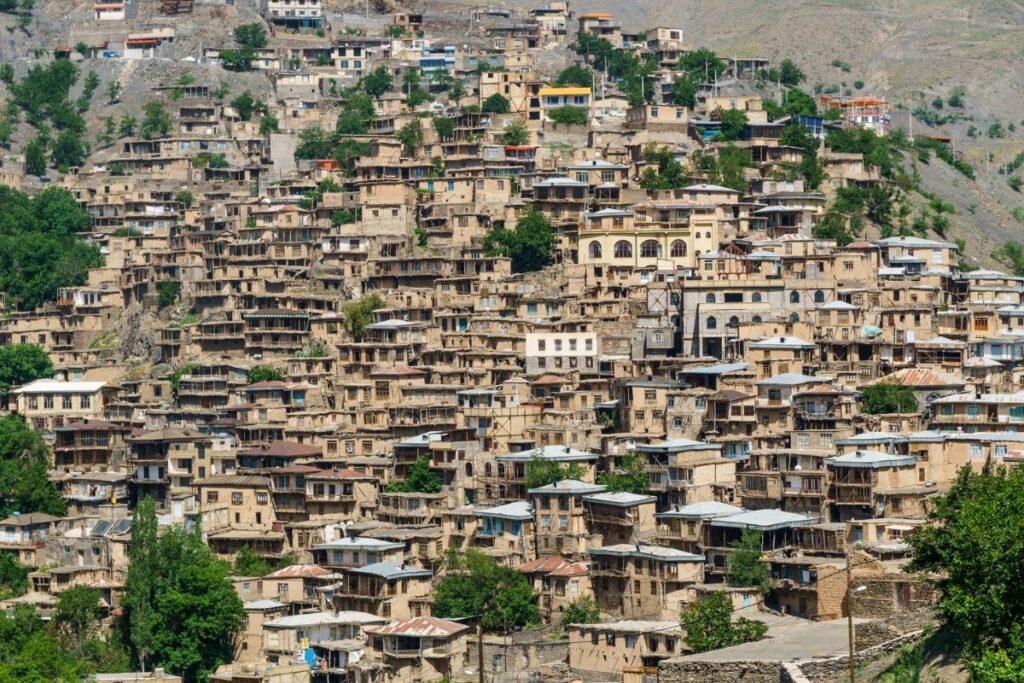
(121, 526)
(100, 529)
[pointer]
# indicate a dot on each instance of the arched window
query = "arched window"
(650, 249)
(794, 297)
(708, 235)
(734, 321)
(819, 297)
(595, 249)
(756, 319)
(712, 322)
(794, 317)
(709, 298)
(487, 469)
(469, 469)
(678, 248)
(623, 249)
(674, 298)
(756, 297)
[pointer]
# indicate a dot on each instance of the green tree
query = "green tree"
(732, 122)
(582, 610)
(377, 82)
(264, 373)
(139, 596)
(575, 75)
(709, 625)
(810, 167)
(515, 134)
(25, 485)
(76, 615)
(445, 127)
(268, 124)
(185, 198)
(541, 472)
(6, 132)
(684, 92)
(664, 172)
(888, 397)
(495, 104)
(411, 137)
(745, 566)
(790, 73)
(248, 563)
(569, 116)
(359, 314)
(477, 585)
(13, 577)
(246, 105)
(342, 217)
(974, 546)
(126, 126)
(190, 611)
(314, 143)
(156, 122)
(114, 89)
(630, 476)
(20, 364)
(418, 479)
(702, 65)
(167, 293)
(1011, 254)
(253, 36)
(35, 155)
(530, 245)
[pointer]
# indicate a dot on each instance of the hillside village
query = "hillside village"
(515, 346)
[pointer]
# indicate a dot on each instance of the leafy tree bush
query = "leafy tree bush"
(745, 566)
(515, 134)
(582, 610)
(684, 91)
(248, 563)
(973, 544)
(39, 246)
(359, 314)
(181, 610)
(541, 472)
(167, 293)
(13, 577)
(701, 65)
(264, 373)
(665, 172)
(575, 75)
(477, 585)
(888, 397)
(377, 82)
(418, 479)
(157, 121)
(569, 116)
(35, 155)
(530, 244)
(268, 124)
(411, 137)
(445, 127)
(709, 625)
(733, 122)
(495, 104)
(20, 364)
(630, 476)
(25, 485)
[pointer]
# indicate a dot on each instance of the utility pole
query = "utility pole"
(849, 614)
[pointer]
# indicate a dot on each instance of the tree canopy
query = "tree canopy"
(630, 476)
(40, 251)
(888, 397)
(541, 472)
(477, 585)
(745, 566)
(264, 373)
(530, 244)
(495, 104)
(182, 612)
(25, 485)
(419, 478)
(359, 314)
(709, 625)
(20, 364)
(975, 546)
(582, 610)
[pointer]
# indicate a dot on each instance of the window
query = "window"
(66, 402)
(211, 496)
(794, 297)
(236, 498)
(594, 250)
(734, 321)
(756, 297)
(712, 322)
(261, 497)
(819, 297)
(650, 249)
(623, 249)
(85, 401)
(678, 248)
(709, 298)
